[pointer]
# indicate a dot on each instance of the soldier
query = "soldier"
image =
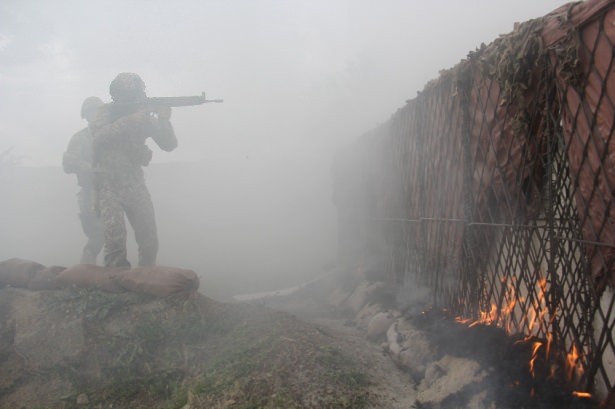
(120, 132)
(78, 159)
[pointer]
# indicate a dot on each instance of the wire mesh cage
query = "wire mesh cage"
(494, 188)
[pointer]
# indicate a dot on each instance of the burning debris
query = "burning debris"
(521, 371)
(455, 362)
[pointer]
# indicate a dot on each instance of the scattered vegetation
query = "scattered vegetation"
(171, 353)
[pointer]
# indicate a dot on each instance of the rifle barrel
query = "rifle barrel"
(176, 101)
(170, 101)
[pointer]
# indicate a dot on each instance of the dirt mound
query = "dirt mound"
(80, 348)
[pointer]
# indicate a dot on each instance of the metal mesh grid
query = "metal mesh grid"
(495, 188)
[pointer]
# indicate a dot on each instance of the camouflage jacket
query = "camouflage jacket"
(78, 157)
(119, 147)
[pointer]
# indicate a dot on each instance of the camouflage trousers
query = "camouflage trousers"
(92, 227)
(127, 198)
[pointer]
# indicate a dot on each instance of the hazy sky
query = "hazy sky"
(253, 211)
(297, 77)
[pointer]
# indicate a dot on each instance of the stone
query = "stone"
(82, 399)
(364, 316)
(447, 377)
(379, 324)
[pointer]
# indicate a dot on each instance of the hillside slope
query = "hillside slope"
(77, 349)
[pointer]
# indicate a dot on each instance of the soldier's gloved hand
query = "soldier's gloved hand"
(164, 113)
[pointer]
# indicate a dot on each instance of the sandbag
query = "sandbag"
(45, 279)
(158, 280)
(91, 277)
(17, 272)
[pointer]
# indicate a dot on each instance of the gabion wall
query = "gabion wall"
(494, 188)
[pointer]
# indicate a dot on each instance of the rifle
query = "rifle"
(124, 108)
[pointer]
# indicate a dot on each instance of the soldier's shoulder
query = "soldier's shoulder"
(104, 111)
(103, 115)
(82, 134)
(106, 107)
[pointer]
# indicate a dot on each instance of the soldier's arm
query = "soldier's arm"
(72, 160)
(162, 131)
(107, 130)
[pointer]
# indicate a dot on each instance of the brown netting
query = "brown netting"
(587, 115)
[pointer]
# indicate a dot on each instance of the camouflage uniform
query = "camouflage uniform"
(78, 159)
(119, 153)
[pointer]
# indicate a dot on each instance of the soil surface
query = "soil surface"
(393, 387)
(88, 349)
(77, 349)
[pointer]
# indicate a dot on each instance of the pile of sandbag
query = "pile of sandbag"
(156, 280)
(90, 277)
(20, 273)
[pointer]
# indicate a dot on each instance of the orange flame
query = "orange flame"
(539, 310)
(495, 315)
(537, 320)
(534, 319)
(572, 362)
(583, 395)
(535, 347)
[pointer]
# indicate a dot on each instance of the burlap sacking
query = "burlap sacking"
(46, 279)
(158, 280)
(17, 272)
(91, 277)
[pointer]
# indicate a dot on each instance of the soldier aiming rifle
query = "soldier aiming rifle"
(120, 132)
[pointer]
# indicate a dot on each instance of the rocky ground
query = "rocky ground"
(90, 349)
(441, 363)
(336, 343)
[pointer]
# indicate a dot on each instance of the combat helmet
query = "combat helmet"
(89, 106)
(127, 87)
